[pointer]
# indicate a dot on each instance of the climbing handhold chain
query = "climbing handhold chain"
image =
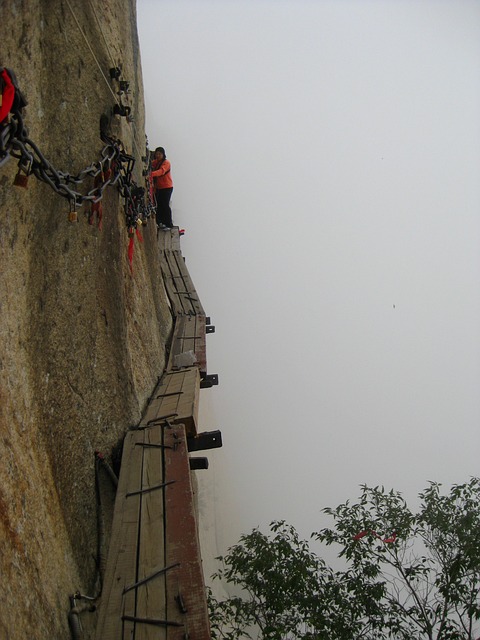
(114, 168)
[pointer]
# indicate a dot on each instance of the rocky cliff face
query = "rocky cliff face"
(82, 339)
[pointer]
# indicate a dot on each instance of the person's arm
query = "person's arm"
(165, 168)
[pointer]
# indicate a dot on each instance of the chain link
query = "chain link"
(115, 163)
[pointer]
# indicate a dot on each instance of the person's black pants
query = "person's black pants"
(164, 213)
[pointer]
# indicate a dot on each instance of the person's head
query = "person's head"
(160, 153)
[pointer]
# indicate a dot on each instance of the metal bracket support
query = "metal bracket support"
(152, 621)
(147, 445)
(148, 489)
(150, 577)
(168, 395)
(155, 422)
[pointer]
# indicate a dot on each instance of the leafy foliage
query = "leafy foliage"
(408, 576)
(281, 578)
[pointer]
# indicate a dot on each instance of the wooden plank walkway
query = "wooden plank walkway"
(190, 321)
(154, 587)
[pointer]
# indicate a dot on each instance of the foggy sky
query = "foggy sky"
(326, 162)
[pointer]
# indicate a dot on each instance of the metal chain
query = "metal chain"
(114, 162)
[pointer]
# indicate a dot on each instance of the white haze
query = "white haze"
(326, 161)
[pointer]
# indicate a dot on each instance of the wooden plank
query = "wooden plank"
(122, 556)
(175, 301)
(153, 409)
(179, 285)
(187, 407)
(176, 345)
(189, 334)
(151, 596)
(174, 284)
(169, 278)
(179, 393)
(175, 239)
(201, 344)
(182, 545)
(170, 239)
(171, 392)
(189, 287)
(160, 404)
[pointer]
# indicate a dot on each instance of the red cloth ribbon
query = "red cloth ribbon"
(388, 540)
(392, 538)
(130, 252)
(362, 534)
(96, 209)
(8, 96)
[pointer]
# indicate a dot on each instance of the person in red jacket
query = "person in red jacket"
(163, 183)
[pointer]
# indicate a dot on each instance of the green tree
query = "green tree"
(406, 576)
(279, 580)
